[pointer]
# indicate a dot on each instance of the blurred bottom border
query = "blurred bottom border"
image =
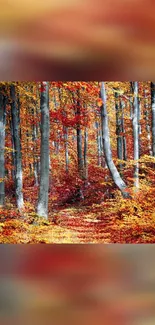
(77, 284)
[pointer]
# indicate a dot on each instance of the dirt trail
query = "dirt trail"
(76, 224)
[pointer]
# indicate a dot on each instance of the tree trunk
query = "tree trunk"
(2, 146)
(135, 121)
(103, 161)
(147, 119)
(99, 154)
(66, 148)
(139, 126)
(131, 101)
(17, 147)
(107, 147)
(79, 139)
(42, 207)
(37, 135)
(153, 116)
(123, 130)
(13, 151)
(85, 155)
(34, 139)
(119, 130)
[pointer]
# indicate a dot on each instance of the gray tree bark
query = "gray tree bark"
(99, 154)
(85, 154)
(66, 148)
(42, 207)
(122, 105)
(119, 130)
(13, 151)
(139, 126)
(34, 138)
(2, 146)
(107, 147)
(135, 123)
(153, 116)
(147, 119)
(79, 139)
(17, 147)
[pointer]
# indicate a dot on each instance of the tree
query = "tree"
(85, 155)
(79, 138)
(119, 129)
(122, 106)
(107, 147)
(2, 145)
(42, 207)
(147, 120)
(153, 116)
(135, 122)
(17, 147)
(98, 140)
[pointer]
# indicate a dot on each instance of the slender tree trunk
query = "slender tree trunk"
(99, 154)
(42, 207)
(139, 126)
(123, 130)
(34, 138)
(13, 151)
(85, 154)
(103, 161)
(147, 119)
(85, 151)
(17, 147)
(119, 130)
(131, 101)
(107, 147)
(136, 135)
(2, 146)
(37, 136)
(153, 116)
(66, 148)
(79, 140)
(28, 153)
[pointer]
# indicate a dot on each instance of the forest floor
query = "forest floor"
(96, 219)
(99, 223)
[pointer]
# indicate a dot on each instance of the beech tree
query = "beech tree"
(122, 106)
(34, 138)
(98, 143)
(85, 154)
(119, 129)
(153, 116)
(107, 147)
(147, 120)
(17, 147)
(2, 145)
(79, 138)
(42, 207)
(135, 122)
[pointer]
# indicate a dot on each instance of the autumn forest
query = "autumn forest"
(77, 162)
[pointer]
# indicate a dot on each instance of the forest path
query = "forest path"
(76, 224)
(89, 227)
(72, 224)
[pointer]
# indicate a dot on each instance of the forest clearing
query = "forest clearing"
(77, 162)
